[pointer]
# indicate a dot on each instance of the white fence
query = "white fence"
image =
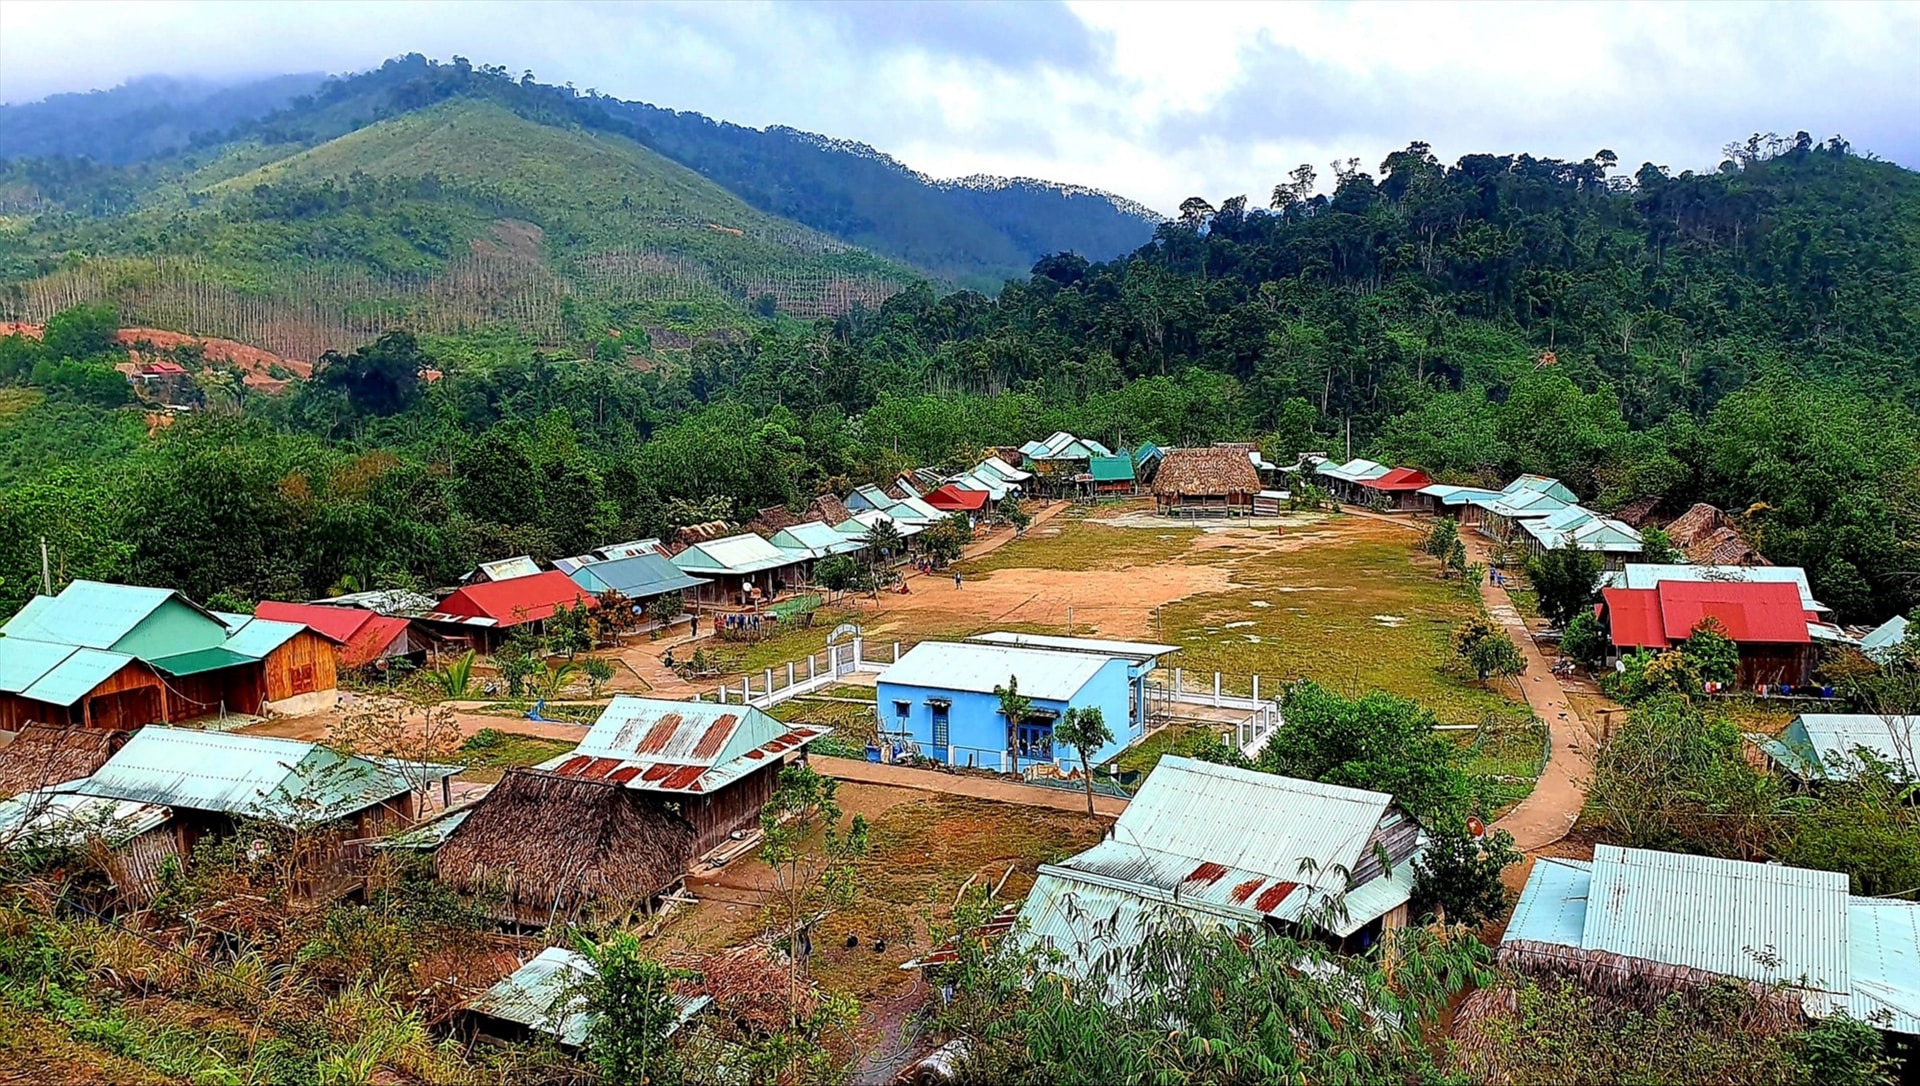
(816, 671)
(1196, 692)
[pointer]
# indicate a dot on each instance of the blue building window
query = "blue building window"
(1036, 742)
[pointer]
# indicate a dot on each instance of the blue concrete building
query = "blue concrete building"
(940, 696)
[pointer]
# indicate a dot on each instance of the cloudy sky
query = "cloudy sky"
(1156, 102)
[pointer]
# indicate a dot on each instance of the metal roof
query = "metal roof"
(953, 498)
(1138, 650)
(23, 662)
(1398, 479)
(1584, 530)
(201, 660)
(1233, 837)
(40, 819)
(632, 547)
(637, 576)
(918, 509)
(241, 774)
(656, 745)
(1553, 905)
(863, 522)
(546, 995)
(1650, 574)
(260, 636)
(514, 600)
(398, 602)
(1880, 643)
(994, 485)
(337, 623)
(1004, 470)
(1086, 918)
(91, 613)
(1721, 916)
(1352, 471)
(1541, 484)
(1527, 503)
(1883, 956)
(1111, 469)
(1048, 674)
(506, 569)
(73, 677)
(813, 539)
(1458, 495)
(736, 554)
(1833, 737)
(1768, 613)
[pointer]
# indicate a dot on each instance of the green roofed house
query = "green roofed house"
(1819, 747)
(545, 996)
(739, 570)
(121, 656)
(1112, 474)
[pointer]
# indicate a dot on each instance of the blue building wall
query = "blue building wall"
(977, 733)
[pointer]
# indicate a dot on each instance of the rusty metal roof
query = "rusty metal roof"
(678, 746)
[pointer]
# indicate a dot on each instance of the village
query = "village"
(1050, 691)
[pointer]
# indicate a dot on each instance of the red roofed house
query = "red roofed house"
(953, 499)
(364, 637)
(610, 826)
(1766, 619)
(1399, 488)
(481, 610)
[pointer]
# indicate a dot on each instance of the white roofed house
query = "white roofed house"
(1614, 541)
(740, 570)
(1343, 480)
(1217, 846)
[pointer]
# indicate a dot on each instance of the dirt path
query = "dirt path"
(314, 726)
(958, 784)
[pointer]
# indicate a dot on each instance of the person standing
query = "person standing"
(956, 580)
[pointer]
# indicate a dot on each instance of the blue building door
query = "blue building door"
(940, 740)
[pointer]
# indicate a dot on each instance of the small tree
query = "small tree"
(628, 1003)
(1015, 708)
(1011, 511)
(615, 616)
(1584, 640)
(883, 542)
(1487, 649)
(836, 573)
(946, 540)
(1440, 537)
(1565, 580)
(1657, 546)
(1461, 876)
(1711, 652)
(455, 677)
(570, 629)
(1086, 731)
(412, 734)
(599, 672)
(667, 606)
(811, 875)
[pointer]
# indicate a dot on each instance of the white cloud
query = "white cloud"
(1154, 101)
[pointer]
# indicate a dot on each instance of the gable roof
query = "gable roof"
(917, 509)
(736, 554)
(1353, 471)
(1235, 838)
(1709, 536)
(1064, 446)
(1584, 530)
(1650, 574)
(1540, 484)
(1766, 613)
(256, 637)
(363, 635)
(813, 540)
(1399, 479)
(43, 755)
(237, 774)
(507, 569)
(1881, 642)
(1111, 469)
(1459, 495)
(1205, 472)
(870, 497)
(655, 745)
(862, 522)
(954, 499)
(1005, 470)
(517, 599)
(93, 614)
(1048, 674)
(1825, 742)
(1633, 618)
(1525, 503)
(637, 576)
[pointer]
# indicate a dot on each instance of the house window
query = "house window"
(902, 708)
(1036, 741)
(939, 723)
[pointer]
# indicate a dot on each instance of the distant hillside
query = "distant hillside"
(457, 215)
(975, 232)
(142, 118)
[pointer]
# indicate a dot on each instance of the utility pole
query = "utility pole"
(46, 569)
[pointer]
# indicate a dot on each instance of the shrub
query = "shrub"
(1461, 876)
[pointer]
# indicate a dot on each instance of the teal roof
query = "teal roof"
(72, 678)
(1111, 469)
(22, 662)
(89, 613)
(1881, 641)
(546, 995)
(637, 577)
(1540, 484)
(813, 539)
(1147, 451)
(201, 660)
(260, 636)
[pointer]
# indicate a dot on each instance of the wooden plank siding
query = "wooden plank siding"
(306, 663)
(736, 807)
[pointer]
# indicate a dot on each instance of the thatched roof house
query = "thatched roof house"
(1218, 479)
(555, 847)
(1709, 537)
(43, 755)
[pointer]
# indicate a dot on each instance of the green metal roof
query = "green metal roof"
(88, 613)
(1111, 469)
(201, 660)
(260, 636)
(73, 677)
(22, 662)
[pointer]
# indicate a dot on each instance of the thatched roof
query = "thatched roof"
(557, 846)
(1211, 471)
(46, 754)
(770, 520)
(1709, 537)
(828, 509)
(702, 532)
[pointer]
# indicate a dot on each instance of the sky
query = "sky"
(1156, 102)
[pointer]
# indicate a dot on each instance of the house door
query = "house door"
(939, 726)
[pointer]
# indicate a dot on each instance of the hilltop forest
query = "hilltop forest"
(1748, 337)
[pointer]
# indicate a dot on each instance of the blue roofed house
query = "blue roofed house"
(813, 541)
(1885, 639)
(738, 570)
(638, 578)
(1654, 921)
(1818, 747)
(940, 697)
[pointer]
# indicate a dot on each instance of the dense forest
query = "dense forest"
(1748, 337)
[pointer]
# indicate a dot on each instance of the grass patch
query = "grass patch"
(853, 724)
(789, 642)
(1506, 759)
(1083, 544)
(1179, 739)
(1352, 614)
(489, 752)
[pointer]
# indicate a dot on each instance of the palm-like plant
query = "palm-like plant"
(456, 677)
(1014, 707)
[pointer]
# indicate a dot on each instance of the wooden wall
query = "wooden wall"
(305, 664)
(241, 689)
(735, 807)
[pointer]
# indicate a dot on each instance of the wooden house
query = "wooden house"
(1205, 482)
(1767, 621)
(365, 639)
(480, 613)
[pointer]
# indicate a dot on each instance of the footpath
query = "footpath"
(961, 784)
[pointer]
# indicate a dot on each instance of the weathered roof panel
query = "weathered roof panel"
(653, 744)
(1143, 650)
(1833, 738)
(1553, 906)
(1883, 956)
(1049, 674)
(23, 662)
(72, 678)
(42, 819)
(736, 554)
(241, 774)
(637, 576)
(1650, 574)
(546, 995)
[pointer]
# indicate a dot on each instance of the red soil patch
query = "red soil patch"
(256, 364)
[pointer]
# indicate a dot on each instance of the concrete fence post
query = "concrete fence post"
(769, 689)
(810, 671)
(789, 674)
(1176, 684)
(1256, 689)
(723, 693)
(1216, 690)
(896, 652)
(859, 646)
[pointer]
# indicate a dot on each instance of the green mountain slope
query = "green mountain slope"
(458, 215)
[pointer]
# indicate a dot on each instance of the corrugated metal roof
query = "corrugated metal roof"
(1235, 837)
(201, 660)
(995, 486)
(1650, 574)
(1553, 905)
(1399, 479)
(1883, 955)
(636, 577)
(1766, 613)
(1352, 471)
(339, 624)
(1459, 495)
(72, 678)
(44, 819)
(506, 569)
(1050, 674)
(1086, 918)
(1141, 650)
(633, 547)
(260, 636)
(736, 554)
(1005, 470)
(656, 745)
(1833, 737)
(428, 835)
(1111, 469)
(1541, 484)
(1524, 505)
(813, 539)
(918, 509)
(241, 775)
(863, 522)
(1633, 618)
(951, 498)
(546, 995)
(1880, 643)
(23, 662)
(91, 613)
(1721, 916)
(1585, 530)
(516, 600)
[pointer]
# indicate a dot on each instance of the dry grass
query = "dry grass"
(34, 1048)
(490, 753)
(1073, 542)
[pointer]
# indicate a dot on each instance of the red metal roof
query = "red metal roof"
(1399, 479)
(951, 498)
(517, 599)
(363, 635)
(1633, 618)
(1762, 612)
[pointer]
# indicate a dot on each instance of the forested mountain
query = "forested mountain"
(976, 232)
